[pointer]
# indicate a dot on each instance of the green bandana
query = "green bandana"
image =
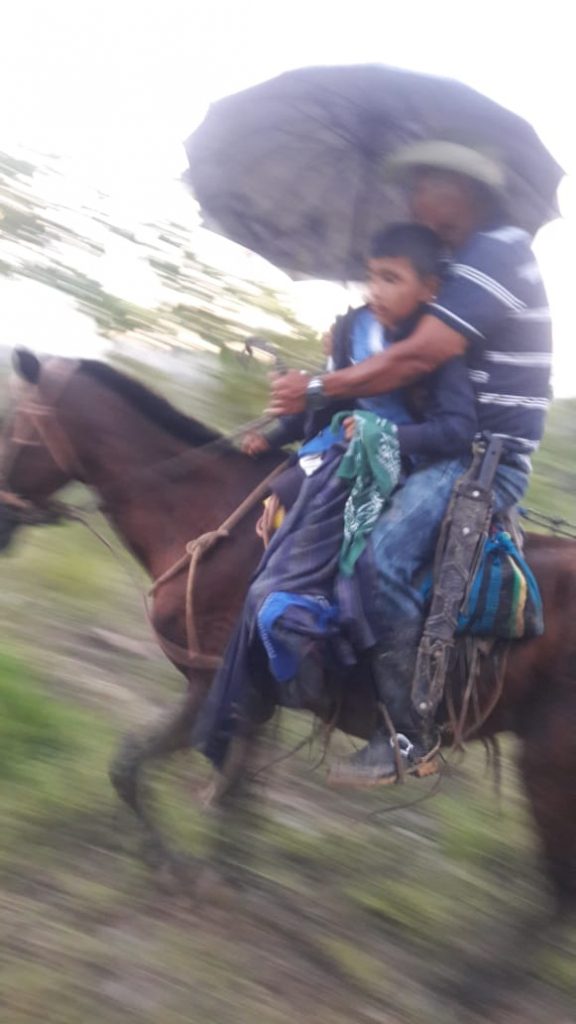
(372, 466)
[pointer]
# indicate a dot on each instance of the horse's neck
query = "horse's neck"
(115, 445)
(159, 511)
(157, 492)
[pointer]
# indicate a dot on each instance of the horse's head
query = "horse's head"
(37, 457)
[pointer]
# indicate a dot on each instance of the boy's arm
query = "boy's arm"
(285, 430)
(280, 432)
(451, 424)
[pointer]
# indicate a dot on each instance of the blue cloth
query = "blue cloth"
(302, 559)
(494, 296)
(283, 659)
(367, 338)
(322, 441)
(504, 600)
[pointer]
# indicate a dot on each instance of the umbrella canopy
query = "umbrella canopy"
(295, 168)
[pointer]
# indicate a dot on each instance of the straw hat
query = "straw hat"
(450, 156)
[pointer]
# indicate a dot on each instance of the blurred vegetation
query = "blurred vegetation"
(553, 488)
(31, 726)
(365, 909)
(43, 242)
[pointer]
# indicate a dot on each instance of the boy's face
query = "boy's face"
(395, 290)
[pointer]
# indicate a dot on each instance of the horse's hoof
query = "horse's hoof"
(217, 888)
(212, 889)
(153, 854)
(177, 874)
(167, 881)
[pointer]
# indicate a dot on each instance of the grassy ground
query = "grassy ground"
(363, 909)
(553, 486)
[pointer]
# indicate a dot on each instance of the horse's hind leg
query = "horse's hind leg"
(169, 735)
(548, 765)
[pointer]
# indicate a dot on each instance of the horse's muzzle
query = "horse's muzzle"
(15, 511)
(9, 520)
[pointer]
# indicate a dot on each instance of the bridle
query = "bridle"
(34, 423)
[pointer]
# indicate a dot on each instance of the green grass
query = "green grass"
(73, 565)
(52, 756)
(33, 727)
(553, 487)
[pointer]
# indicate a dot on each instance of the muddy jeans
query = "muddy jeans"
(404, 539)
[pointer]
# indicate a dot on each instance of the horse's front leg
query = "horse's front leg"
(170, 734)
(236, 813)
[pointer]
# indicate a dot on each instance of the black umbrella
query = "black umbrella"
(295, 168)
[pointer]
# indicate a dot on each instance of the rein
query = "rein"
(46, 431)
(195, 550)
(553, 524)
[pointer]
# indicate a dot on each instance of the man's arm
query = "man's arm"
(430, 345)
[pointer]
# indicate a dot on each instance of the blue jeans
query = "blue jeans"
(404, 539)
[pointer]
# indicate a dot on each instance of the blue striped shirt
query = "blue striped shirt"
(367, 338)
(494, 296)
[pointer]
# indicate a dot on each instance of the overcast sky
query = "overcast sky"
(115, 86)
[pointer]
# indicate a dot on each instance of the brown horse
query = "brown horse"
(162, 478)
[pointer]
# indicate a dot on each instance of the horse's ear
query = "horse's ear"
(26, 365)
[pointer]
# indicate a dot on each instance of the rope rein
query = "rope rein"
(553, 524)
(195, 551)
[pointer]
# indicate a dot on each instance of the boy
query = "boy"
(404, 271)
(435, 419)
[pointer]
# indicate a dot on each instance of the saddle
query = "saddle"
(482, 589)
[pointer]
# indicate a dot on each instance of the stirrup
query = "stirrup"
(400, 749)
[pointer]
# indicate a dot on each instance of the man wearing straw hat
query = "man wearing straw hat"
(492, 308)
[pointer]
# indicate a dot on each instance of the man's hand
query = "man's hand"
(349, 425)
(288, 393)
(254, 444)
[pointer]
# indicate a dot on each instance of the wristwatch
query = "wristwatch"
(315, 394)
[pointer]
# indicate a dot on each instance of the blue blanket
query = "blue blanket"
(302, 559)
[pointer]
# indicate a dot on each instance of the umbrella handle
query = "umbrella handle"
(265, 346)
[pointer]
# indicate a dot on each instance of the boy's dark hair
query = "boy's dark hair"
(419, 245)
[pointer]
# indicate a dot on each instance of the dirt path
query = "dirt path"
(417, 918)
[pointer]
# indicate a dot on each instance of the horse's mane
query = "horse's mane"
(153, 406)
